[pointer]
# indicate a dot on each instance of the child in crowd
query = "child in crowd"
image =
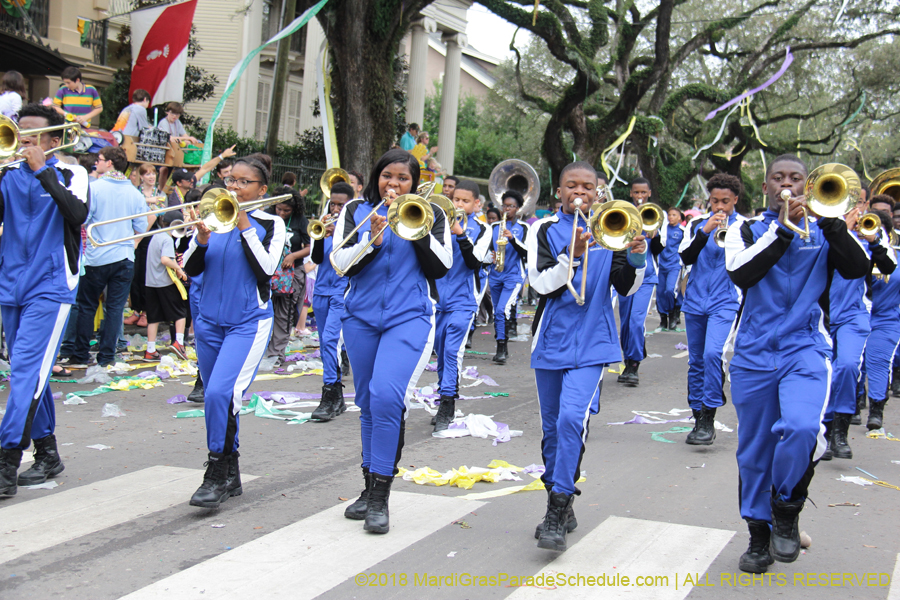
(165, 302)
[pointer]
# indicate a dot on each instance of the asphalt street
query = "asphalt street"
(119, 523)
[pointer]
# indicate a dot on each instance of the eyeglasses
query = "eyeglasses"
(240, 183)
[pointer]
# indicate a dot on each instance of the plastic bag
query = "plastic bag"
(95, 374)
(112, 410)
(268, 363)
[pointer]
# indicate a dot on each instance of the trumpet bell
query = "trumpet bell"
(330, 177)
(652, 216)
(719, 236)
(317, 228)
(887, 183)
(615, 223)
(832, 190)
(410, 217)
(868, 224)
(450, 210)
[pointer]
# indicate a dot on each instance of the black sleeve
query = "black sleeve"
(690, 254)
(74, 210)
(518, 244)
(845, 252)
(882, 256)
(656, 245)
(195, 259)
(317, 253)
(622, 274)
(748, 260)
(467, 248)
(433, 251)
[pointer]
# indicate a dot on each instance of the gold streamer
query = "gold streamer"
(619, 141)
(861, 156)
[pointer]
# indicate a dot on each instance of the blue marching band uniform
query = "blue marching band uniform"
(802, 315)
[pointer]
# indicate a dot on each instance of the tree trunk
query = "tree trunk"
(279, 79)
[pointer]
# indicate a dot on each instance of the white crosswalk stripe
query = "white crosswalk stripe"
(334, 548)
(632, 548)
(45, 522)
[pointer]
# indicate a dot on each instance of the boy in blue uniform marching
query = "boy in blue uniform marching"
(781, 369)
(572, 343)
(458, 294)
(506, 284)
(711, 302)
(668, 300)
(328, 305)
(849, 324)
(633, 309)
(43, 203)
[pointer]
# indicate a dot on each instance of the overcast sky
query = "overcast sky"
(490, 34)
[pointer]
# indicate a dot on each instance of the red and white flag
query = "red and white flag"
(159, 45)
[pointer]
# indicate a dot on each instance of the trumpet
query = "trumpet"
(11, 138)
(316, 227)
(410, 217)
(831, 191)
(612, 225)
(500, 256)
(868, 224)
(450, 210)
(652, 216)
(218, 210)
(720, 233)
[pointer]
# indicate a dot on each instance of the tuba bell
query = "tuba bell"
(518, 175)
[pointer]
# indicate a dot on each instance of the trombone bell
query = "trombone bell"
(887, 183)
(615, 224)
(330, 177)
(832, 190)
(410, 217)
(11, 138)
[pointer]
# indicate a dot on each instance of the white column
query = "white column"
(315, 35)
(450, 100)
(418, 69)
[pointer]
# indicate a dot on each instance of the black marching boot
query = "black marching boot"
(445, 414)
(663, 321)
(571, 523)
(692, 434)
(674, 320)
(46, 462)
(512, 328)
(214, 489)
(785, 542)
(829, 451)
(357, 510)
(758, 557)
(469, 340)
(197, 394)
(502, 352)
(345, 364)
(895, 382)
(706, 428)
(332, 403)
(553, 534)
(377, 515)
(10, 459)
(856, 419)
(839, 444)
(233, 484)
(628, 374)
(876, 414)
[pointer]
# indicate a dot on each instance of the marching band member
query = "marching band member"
(43, 203)
(389, 316)
(781, 369)
(633, 309)
(234, 323)
(568, 365)
(459, 293)
(668, 300)
(711, 302)
(505, 285)
(328, 305)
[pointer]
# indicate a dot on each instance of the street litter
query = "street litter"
(95, 374)
(480, 426)
(854, 479)
(680, 346)
(463, 477)
(657, 436)
(844, 504)
(100, 447)
(179, 399)
(47, 485)
(72, 400)
(111, 410)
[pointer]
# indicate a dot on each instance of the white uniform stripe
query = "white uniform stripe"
(737, 254)
(254, 356)
(64, 516)
(327, 545)
(511, 303)
(820, 438)
(51, 349)
(420, 367)
(633, 548)
(461, 351)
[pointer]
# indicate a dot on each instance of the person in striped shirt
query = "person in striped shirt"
(77, 99)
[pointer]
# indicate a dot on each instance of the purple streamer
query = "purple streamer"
(788, 59)
(179, 399)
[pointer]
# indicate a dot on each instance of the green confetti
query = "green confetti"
(476, 352)
(496, 394)
(190, 414)
(657, 436)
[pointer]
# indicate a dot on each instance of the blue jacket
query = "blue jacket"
(785, 283)
(850, 298)
(709, 289)
(237, 269)
(460, 288)
(42, 212)
(516, 252)
(566, 335)
(328, 283)
(395, 282)
(669, 239)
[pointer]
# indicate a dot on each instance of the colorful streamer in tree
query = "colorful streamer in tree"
(788, 59)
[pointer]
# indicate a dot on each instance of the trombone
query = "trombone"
(11, 138)
(450, 210)
(831, 191)
(612, 224)
(218, 209)
(409, 216)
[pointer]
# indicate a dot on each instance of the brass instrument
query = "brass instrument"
(182, 230)
(887, 183)
(831, 191)
(10, 138)
(500, 255)
(720, 233)
(316, 227)
(518, 175)
(450, 210)
(410, 217)
(218, 209)
(329, 178)
(612, 225)
(652, 216)
(868, 224)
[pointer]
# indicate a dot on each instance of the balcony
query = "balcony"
(39, 14)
